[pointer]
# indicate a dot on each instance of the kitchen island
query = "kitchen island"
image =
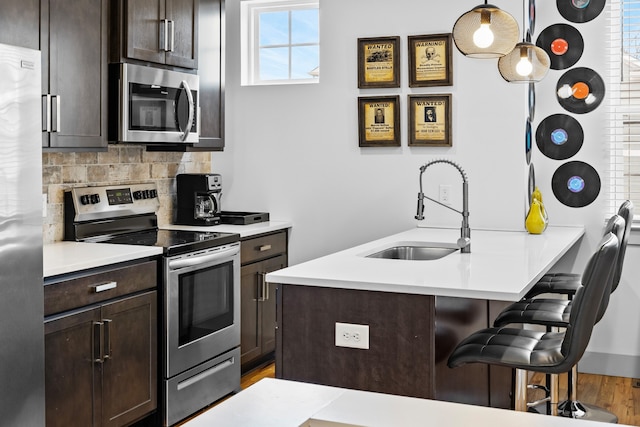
(416, 312)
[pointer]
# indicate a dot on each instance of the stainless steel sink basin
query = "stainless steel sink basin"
(413, 252)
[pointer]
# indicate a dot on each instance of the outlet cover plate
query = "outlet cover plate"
(352, 335)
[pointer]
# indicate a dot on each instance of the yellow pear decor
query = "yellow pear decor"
(537, 219)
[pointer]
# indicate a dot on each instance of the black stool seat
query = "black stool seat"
(537, 311)
(516, 348)
(555, 283)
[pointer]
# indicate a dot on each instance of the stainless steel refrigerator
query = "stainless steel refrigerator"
(21, 288)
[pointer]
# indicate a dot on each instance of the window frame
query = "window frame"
(251, 10)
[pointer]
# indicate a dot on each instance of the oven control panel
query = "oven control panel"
(113, 201)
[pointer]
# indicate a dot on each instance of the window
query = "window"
(624, 104)
(281, 42)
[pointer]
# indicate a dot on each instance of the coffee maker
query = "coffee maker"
(199, 197)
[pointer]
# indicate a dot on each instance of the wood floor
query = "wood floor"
(615, 394)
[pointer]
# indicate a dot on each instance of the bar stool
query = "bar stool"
(547, 352)
(568, 283)
(555, 313)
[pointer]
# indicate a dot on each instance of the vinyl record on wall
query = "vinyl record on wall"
(531, 185)
(580, 90)
(580, 10)
(527, 141)
(563, 43)
(559, 136)
(575, 184)
(532, 101)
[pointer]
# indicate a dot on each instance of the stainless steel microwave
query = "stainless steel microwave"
(149, 105)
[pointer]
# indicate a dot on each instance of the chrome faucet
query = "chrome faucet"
(464, 242)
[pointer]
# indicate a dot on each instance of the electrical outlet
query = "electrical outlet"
(44, 205)
(350, 335)
(445, 194)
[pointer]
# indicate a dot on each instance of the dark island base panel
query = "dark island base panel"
(410, 336)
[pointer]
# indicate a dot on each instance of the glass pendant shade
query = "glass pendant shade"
(485, 32)
(524, 64)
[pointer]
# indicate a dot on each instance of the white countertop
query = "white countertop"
(244, 230)
(502, 265)
(67, 257)
(280, 403)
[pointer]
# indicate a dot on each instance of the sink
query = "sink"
(414, 252)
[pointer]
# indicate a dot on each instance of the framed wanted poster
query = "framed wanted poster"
(430, 120)
(379, 121)
(379, 62)
(430, 62)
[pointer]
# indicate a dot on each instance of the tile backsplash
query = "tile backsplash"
(121, 164)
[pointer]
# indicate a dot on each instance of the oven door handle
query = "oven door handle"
(201, 259)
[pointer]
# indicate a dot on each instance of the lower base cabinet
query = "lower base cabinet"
(101, 357)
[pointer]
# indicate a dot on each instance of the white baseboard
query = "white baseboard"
(614, 365)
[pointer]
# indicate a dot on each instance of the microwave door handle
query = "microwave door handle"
(189, 124)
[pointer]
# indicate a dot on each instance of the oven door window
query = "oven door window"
(206, 302)
(158, 108)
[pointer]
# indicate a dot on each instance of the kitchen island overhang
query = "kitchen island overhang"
(416, 312)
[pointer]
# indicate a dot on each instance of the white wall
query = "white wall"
(293, 150)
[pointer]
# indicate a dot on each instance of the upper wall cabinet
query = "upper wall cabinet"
(72, 36)
(159, 31)
(74, 74)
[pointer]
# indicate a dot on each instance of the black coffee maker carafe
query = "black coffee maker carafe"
(199, 197)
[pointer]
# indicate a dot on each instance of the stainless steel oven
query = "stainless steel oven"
(152, 105)
(202, 318)
(199, 295)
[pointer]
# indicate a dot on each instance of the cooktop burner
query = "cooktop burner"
(175, 242)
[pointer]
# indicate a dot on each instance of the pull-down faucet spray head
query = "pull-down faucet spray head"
(464, 242)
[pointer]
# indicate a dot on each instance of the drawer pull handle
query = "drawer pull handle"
(264, 248)
(104, 287)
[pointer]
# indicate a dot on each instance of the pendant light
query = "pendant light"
(526, 63)
(485, 32)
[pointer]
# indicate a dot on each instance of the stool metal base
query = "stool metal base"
(583, 411)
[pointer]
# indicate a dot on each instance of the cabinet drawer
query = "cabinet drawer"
(86, 290)
(263, 247)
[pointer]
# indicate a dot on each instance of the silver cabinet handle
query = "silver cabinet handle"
(98, 342)
(164, 35)
(265, 287)
(55, 111)
(172, 35)
(107, 338)
(46, 113)
(104, 287)
(264, 248)
(189, 124)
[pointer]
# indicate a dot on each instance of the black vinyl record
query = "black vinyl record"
(532, 101)
(580, 90)
(559, 136)
(580, 10)
(575, 184)
(563, 43)
(527, 141)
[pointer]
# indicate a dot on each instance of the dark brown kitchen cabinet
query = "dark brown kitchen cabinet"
(161, 31)
(73, 41)
(259, 256)
(101, 350)
(20, 23)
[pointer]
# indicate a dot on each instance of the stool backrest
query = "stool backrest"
(616, 225)
(626, 212)
(596, 281)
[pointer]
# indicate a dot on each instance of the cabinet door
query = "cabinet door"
(72, 377)
(184, 15)
(77, 73)
(130, 370)
(268, 335)
(258, 309)
(143, 24)
(20, 23)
